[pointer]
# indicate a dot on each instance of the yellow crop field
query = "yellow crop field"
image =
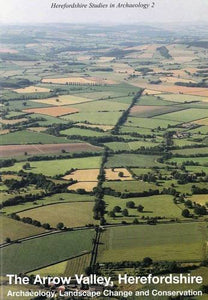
(172, 89)
(202, 121)
(37, 129)
(83, 175)
(62, 100)
(12, 121)
(87, 186)
(170, 79)
(78, 80)
(112, 174)
(103, 127)
(32, 89)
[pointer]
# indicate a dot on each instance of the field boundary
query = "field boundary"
(52, 264)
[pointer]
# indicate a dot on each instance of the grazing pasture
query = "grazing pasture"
(151, 111)
(191, 151)
(66, 268)
(161, 242)
(16, 229)
(40, 252)
(182, 98)
(72, 214)
(154, 206)
(49, 200)
(200, 160)
(186, 115)
(149, 123)
(27, 137)
(153, 100)
(132, 160)
(82, 132)
(101, 106)
(46, 167)
(130, 186)
(102, 118)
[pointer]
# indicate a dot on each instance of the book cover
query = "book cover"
(104, 150)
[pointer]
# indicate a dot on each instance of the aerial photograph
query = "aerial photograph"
(104, 153)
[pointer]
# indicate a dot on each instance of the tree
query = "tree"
(130, 204)
(8, 240)
(120, 174)
(88, 271)
(200, 210)
(60, 226)
(125, 212)
(116, 209)
(111, 214)
(147, 261)
(189, 204)
(46, 226)
(26, 166)
(204, 289)
(140, 208)
(186, 213)
(135, 221)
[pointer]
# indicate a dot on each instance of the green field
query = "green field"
(71, 214)
(141, 171)
(134, 145)
(67, 268)
(149, 123)
(183, 142)
(153, 100)
(47, 167)
(103, 118)
(16, 229)
(191, 151)
(180, 160)
(160, 242)
(154, 206)
(48, 120)
(132, 160)
(82, 132)
(201, 130)
(29, 137)
(185, 115)
(129, 129)
(99, 106)
(130, 186)
(181, 98)
(53, 199)
(40, 252)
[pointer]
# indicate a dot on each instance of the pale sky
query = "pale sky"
(39, 11)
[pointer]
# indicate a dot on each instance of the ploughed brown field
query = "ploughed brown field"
(173, 89)
(12, 121)
(15, 150)
(142, 108)
(54, 111)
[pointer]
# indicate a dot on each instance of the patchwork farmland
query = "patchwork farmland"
(104, 152)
